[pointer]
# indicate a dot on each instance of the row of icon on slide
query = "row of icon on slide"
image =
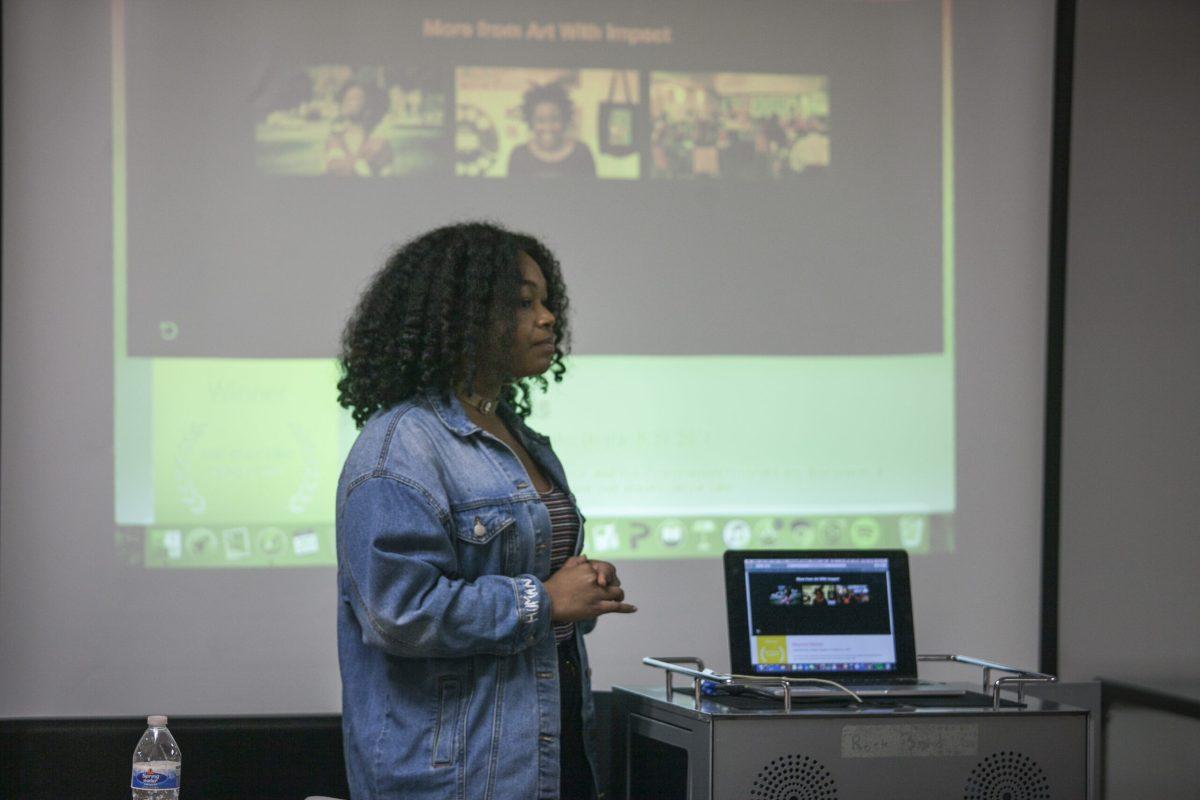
(235, 544)
(736, 534)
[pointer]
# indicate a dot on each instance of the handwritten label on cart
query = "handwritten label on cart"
(906, 740)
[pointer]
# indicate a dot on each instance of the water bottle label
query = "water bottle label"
(151, 778)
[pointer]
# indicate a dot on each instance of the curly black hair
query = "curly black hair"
(554, 93)
(429, 318)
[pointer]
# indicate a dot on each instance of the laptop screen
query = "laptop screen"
(827, 613)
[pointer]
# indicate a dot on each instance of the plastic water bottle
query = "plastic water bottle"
(156, 763)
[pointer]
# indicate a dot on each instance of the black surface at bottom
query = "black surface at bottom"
(657, 769)
(222, 756)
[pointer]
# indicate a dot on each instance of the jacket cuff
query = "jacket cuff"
(533, 609)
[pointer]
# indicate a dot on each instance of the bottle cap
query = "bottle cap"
(156, 720)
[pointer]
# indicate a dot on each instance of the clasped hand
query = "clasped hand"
(583, 589)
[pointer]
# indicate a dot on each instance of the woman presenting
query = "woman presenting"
(463, 599)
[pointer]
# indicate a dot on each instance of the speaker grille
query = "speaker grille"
(1007, 776)
(794, 777)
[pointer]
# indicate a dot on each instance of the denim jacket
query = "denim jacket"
(448, 662)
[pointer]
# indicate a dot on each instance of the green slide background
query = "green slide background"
(669, 456)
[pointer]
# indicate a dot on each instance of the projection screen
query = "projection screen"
(805, 245)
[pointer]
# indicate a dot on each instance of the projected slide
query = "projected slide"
(761, 274)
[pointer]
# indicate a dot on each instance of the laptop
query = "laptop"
(840, 615)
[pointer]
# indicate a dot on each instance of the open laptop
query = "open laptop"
(841, 615)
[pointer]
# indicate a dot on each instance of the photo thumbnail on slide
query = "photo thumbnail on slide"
(741, 125)
(348, 121)
(516, 122)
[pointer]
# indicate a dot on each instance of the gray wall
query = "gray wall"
(1131, 440)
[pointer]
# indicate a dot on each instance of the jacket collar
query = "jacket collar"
(452, 415)
(450, 412)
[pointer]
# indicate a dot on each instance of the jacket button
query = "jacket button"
(522, 485)
(480, 530)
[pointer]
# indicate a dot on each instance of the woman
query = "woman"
(462, 602)
(548, 111)
(353, 148)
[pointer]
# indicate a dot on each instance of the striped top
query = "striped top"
(564, 529)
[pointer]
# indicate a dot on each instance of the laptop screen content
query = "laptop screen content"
(820, 615)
